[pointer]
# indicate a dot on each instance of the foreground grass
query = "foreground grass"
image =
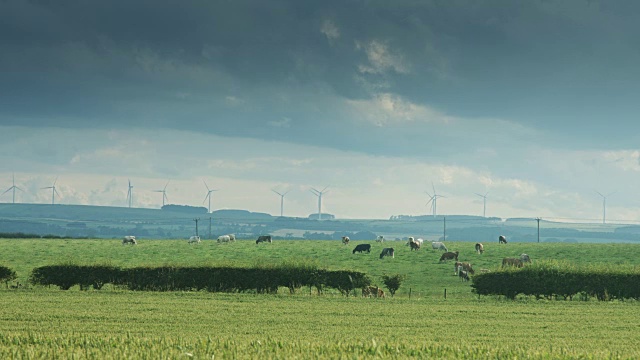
(53, 324)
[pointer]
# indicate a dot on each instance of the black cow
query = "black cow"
(362, 247)
(263, 238)
(502, 239)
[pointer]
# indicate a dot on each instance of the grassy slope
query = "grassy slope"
(45, 323)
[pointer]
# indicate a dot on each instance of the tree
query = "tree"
(393, 282)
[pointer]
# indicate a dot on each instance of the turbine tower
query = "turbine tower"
(209, 191)
(53, 191)
(433, 199)
(319, 195)
(484, 203)
(130, 194)
(164, 193)
(13, 187)
(281, 200)
(604, 205)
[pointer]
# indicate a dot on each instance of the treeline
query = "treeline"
(214, 279)
(552, 279)
(20, 235)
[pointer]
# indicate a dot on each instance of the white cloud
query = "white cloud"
(381, 58)
(389, 109)
(330, 30)
(282, 123)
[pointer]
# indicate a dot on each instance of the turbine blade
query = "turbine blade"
(205, 184)
(6, 191)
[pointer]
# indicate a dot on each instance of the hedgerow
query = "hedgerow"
(207, 278)
(551, 279)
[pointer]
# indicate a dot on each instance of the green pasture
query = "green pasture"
(47, 323)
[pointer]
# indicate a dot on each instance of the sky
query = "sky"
(532, 103)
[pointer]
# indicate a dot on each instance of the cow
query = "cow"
(380, 238)
(449, 256)
(464, 276)
(457, 267)
(263, 238)
(502, 239)
(224, 239)
(410, 241)
(194, 240)
(362, 247)
(467, 267)
(129, 239)
(415, 245)
(372, 291)
(479, 248)
(525, 258)
(437, 245)
(345, 240)
(232, 237)
(419, 241)
(387, 252)
(511, 262)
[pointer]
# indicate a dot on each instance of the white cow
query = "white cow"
(129, 239)
(194, 240)
(380, 238)
(224, 238)
(232, 237)
(438, 245)
(419, 241)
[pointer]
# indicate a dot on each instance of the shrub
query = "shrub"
(393, 282)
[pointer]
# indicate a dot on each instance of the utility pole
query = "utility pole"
(538, 220)
(209, 227)
(444, 221)
(196, 220)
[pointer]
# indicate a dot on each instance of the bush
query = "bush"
(7, 274)
(393, 282)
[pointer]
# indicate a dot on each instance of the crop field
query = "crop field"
(45, 323)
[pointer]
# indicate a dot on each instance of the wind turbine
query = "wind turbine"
(281, 200)
(433, 199)
(484, 203)
(13, 187)
(53, 191)
(209, 191)
(604, 205)
(319, 195)
(164, 193)
(130, 194)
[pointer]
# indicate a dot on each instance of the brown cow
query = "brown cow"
(467, 267)
(464, 276)
(479, 248)
(414, 245)
(449, 256)
(511, 262)
(372, 291)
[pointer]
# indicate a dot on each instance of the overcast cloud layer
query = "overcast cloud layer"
(534, 102)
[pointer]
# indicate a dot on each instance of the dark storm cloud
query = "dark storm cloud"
(288, 69)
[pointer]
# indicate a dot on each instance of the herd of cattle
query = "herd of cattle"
(461, 269)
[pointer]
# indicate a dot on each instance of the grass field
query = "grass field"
(48, 323)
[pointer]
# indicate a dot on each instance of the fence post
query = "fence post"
(409, 293)
(445, 293)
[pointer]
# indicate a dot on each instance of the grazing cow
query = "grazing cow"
(194, 240)
(419, 241)
(263, 238)
(345, 240)
(129, 239)
(415, 245)
(479, 248)
(449, 256)
(525, 258)
(372, 291)
(410, 241)
(224, 239)
(387, 252)
(437, 245)
(511, 262)
(464, 276)
(380, 238)
(502, 239)
(232, 237)
(467, 267)
(362, 247)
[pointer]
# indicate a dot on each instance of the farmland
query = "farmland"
(42, 322)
